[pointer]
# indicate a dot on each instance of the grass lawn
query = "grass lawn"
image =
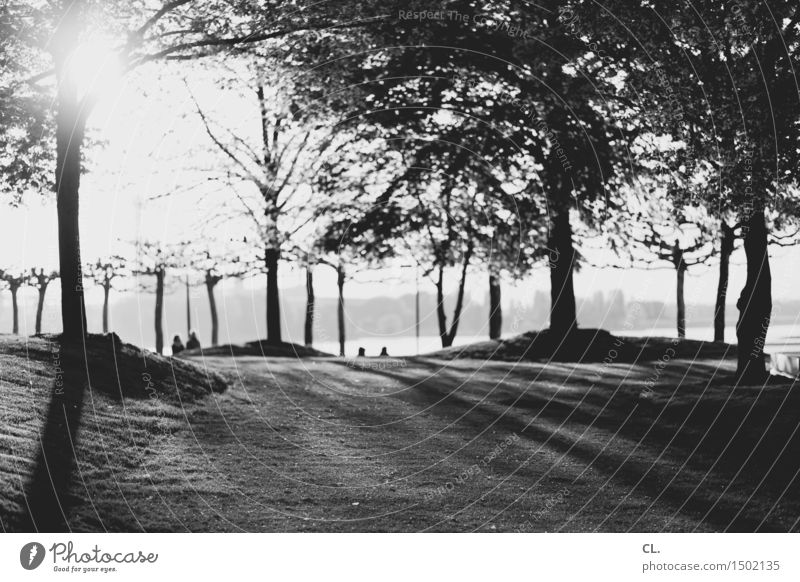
(422, 444)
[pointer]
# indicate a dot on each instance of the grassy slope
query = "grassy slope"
(257, 348)
(118, 436)
(583, 345)
(317, 445)
(325, 447)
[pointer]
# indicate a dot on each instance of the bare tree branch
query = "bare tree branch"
(221, 145)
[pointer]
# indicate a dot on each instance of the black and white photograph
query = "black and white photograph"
(382, 267)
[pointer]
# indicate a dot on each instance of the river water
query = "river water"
(783, 338)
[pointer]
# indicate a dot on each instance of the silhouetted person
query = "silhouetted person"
(362, 353)
(384, 352)
(177, 345)
(193, 343)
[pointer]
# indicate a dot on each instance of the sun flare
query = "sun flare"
(95, 67)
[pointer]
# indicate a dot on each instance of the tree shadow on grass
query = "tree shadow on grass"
(48, 496)
(748, 452)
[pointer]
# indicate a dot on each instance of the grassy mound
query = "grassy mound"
(259, 348)
(585, 345)
(89, 418)
(118, 369)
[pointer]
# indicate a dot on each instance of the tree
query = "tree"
(273, 167)
(14, 282)
(415, 212)
(339, 264)
(27, 164)
(449, 239)
(681, 259)
(727, 243)
(340, 279)
(439, 202)
(514, 231)
(307, 256)
(778, 236)
(176, 30)
(188, 307)
(545, 98)
(442, 205)
(331, 242)
(309, 262)
(153, 260)
(495, 305)
(214, 267)
(308, 326)
(103, 272)
(500, 266)
(722, 84)
(40, 280)
(651, 228)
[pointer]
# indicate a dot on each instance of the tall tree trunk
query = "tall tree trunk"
(448, 336)
(106, 291)
(417, 309)
(272, 259)
(15, 309)
(754, 304)
(69, 140)
(451, 336)
(188, 309)
(495, 308)
(40, 309)
(727, 240)
(340, 312)
(308, 335)
(681, 270)
(441, 315)
(212, 304)
(159, 312)
(563, 318)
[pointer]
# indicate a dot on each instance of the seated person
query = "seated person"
(192, 343)
(177, 345)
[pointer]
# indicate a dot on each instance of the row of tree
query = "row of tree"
(39, 279)
(452, 143)
(150, 270)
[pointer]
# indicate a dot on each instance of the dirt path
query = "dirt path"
(318, 445)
